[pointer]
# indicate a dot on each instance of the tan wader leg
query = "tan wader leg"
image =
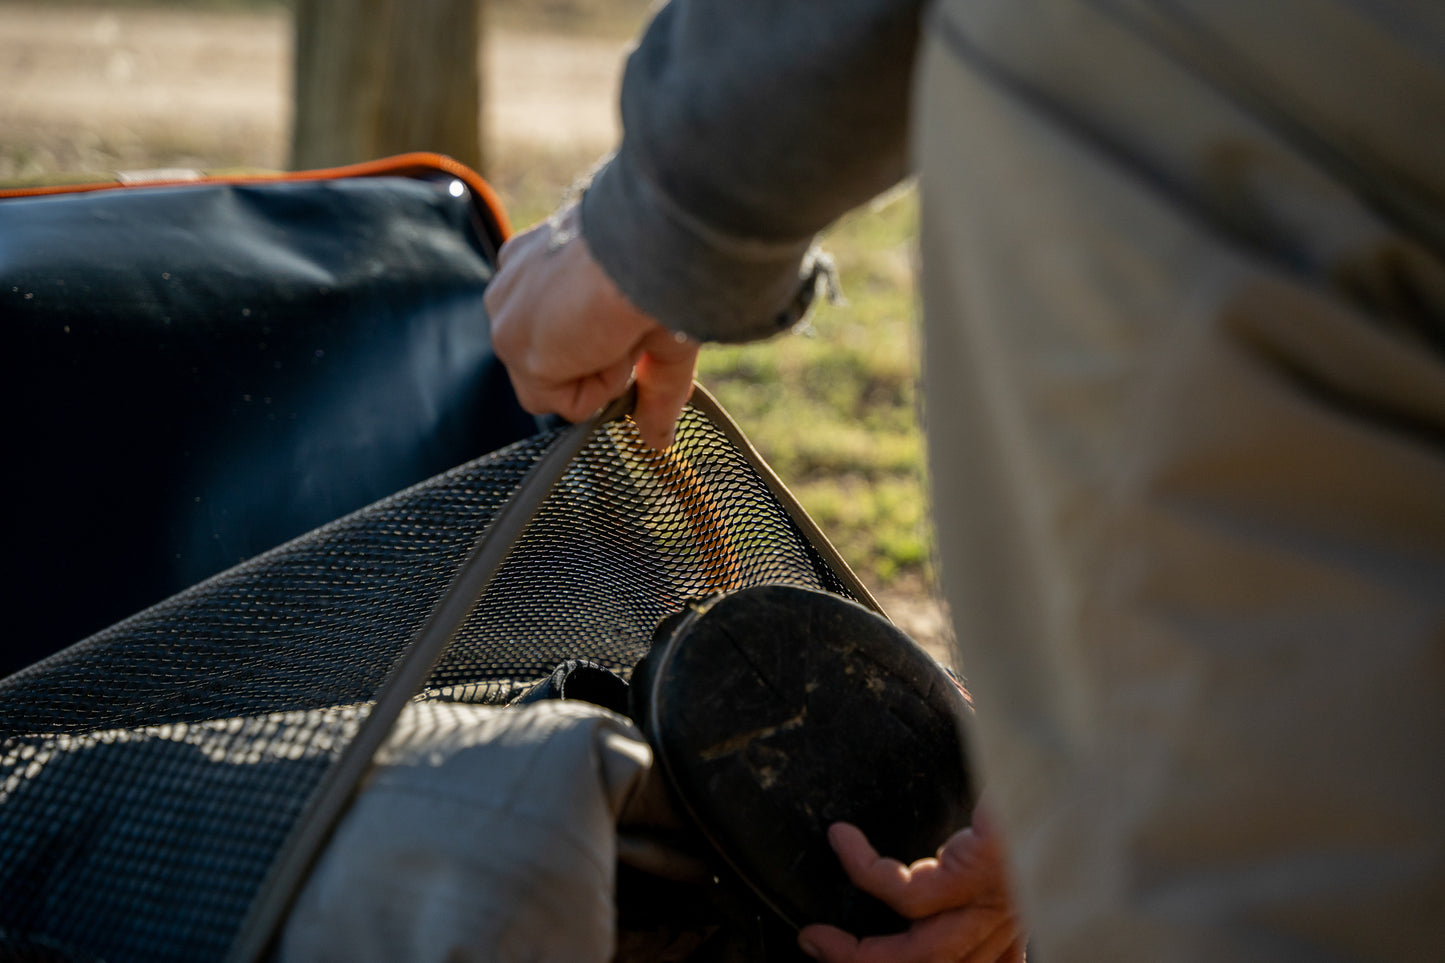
(1191, 515)
(484, 835)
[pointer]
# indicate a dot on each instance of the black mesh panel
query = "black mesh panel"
(150, 775)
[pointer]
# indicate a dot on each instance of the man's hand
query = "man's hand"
(571, 340)
(958, 902)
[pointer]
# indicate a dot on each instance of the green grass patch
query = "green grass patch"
(833, 408)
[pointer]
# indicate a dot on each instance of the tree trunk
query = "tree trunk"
(380, 77)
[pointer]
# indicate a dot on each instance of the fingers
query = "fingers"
(583, 397)
(570, 340)
(972, 861)
(964, 935)
(958, 901)
(664, 381)
(968, 869)
(664, 371)
(887, 879)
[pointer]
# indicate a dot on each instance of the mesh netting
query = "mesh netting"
(151, 776)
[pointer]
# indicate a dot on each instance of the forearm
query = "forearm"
(749, 126)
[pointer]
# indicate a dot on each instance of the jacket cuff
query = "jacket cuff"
(705, 283)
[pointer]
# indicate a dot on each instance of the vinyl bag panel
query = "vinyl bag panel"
(197, 372)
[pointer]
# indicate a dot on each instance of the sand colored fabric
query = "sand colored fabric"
(485, 834)
(1184, 289)
(1190, 491)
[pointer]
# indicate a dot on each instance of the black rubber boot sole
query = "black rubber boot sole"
(776, 711)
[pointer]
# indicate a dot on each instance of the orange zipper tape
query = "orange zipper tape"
(402, 165)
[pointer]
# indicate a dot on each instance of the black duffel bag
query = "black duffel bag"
(196, 372)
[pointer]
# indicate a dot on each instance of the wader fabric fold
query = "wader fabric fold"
(1186, 416)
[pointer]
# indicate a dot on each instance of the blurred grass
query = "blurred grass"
(595, 18)
(604, 18)
(833, 408)
(173, 4)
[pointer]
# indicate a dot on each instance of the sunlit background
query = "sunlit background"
(93, 88)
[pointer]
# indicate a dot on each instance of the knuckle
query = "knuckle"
(911, 908)
(505, 342)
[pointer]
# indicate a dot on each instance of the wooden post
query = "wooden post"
(381, 77)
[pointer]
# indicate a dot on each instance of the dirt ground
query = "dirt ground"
(96, 89)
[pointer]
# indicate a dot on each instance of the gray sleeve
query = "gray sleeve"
(749, 125)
